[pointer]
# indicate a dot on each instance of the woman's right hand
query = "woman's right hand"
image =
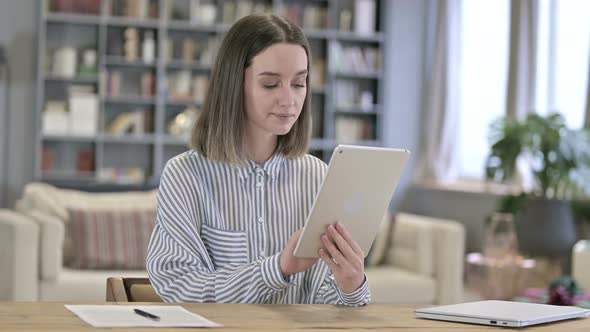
(291, 264)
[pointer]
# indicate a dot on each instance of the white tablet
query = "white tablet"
(356, 192)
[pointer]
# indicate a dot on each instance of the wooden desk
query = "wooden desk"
(53, 316)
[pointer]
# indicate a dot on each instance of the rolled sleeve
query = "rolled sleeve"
(361, 296)
(271, 273)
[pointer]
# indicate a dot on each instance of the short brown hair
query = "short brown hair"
(218, 132)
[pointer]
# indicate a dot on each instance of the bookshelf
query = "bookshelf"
(120, 81)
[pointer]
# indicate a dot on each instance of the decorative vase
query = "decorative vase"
(545, 227)
(500, 241)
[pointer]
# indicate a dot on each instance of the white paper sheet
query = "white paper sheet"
(124, 316)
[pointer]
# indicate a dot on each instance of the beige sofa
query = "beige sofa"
(417, 261)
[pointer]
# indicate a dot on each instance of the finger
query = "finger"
(348, 237)
(326, 258)
(333, 251)
(343, 246)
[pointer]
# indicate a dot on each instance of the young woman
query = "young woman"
(231, 209)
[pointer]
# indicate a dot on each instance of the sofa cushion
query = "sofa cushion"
(382, 241)
(111, 239)
(397, 286)
(54, 201)
(412, 246)
(51, 243)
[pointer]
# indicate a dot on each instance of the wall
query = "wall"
(18, 29)
(406, 30)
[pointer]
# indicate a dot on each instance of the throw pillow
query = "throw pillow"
(110, 239)
(412, 248)
(382, 241)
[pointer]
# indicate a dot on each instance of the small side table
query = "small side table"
(498, 278)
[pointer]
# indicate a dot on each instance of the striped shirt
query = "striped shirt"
(220, 229)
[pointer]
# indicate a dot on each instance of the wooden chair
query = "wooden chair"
(131, 290)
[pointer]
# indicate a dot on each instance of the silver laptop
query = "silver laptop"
(502, 313)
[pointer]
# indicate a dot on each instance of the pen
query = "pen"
(146, 314)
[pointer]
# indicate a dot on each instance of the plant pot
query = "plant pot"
(546, 227)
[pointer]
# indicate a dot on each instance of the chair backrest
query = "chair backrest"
(131, 290)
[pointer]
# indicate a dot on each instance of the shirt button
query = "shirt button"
(260, 220)
(259, 170)
(259, 184)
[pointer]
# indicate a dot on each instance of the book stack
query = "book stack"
(354, 59)
(132, 8)
(183, 88)
(55, 118)
(306, 16)
(318, 78)
(351, 129)
(233, 11)
(346, 93)
(83, 106)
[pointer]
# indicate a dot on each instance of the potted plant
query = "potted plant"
(557, 159)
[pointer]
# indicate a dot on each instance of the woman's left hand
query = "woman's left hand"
(344, 257)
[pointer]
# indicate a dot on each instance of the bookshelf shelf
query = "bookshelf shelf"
(128, 138)
(132, 22)
(357, 111)
(174, 140)
(68, 138)
(187, 26)
(119, 61)
(369, 75)
(352, 37)
(176, 103)
(133, 100)
(182, 52)
(72, 18)
(78, 79)
(177, 64)
(317, 34)
(68, 176)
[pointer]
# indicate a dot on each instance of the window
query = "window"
(484, 58)
(562, 70)
(569, 54)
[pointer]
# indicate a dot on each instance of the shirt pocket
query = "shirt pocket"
(225, 247)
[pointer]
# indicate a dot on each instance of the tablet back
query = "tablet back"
(356, 192)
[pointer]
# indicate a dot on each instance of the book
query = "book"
(351, 129)
(200, 85)
(85, 160)
(55, 123)
(148, 84)
(83, 114)
(114, 83)
(47, 160)
(188, 50)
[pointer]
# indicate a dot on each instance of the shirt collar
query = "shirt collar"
(271, 167)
